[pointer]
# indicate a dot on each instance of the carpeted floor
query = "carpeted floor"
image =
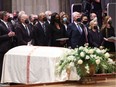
(104, 83)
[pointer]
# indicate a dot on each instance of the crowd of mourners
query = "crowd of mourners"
(53, 29)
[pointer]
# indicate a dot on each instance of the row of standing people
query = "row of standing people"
(46, 28)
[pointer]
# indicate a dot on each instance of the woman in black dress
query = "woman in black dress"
(95, 36)
(57, 31)
(108, 31)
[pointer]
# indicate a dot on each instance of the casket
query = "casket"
(32, 64)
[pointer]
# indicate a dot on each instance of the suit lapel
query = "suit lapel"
(4, 27)
(75, 27)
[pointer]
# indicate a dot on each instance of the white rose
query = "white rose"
(107, 55)
(82, 54)
(103, 51)
(98, 51)
(110, 61)
(87, 57)
(97, 61)
(91, 51)
(80, 61)
(80, 48)
(97, 57)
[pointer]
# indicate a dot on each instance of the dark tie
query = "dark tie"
(44, 28)
(28, 32)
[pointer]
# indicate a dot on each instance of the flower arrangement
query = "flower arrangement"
(86, 58)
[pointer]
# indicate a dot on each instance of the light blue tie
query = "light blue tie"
(79, 28)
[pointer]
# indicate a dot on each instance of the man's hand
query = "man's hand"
(11, 34)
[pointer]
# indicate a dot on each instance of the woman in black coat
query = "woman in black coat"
(57, 31)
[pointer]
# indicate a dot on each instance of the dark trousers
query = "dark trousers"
(1, 63)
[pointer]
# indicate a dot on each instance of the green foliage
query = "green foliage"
(83, 58)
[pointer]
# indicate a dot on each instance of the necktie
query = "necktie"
(79, 28)
(28, 32)
(44, 28)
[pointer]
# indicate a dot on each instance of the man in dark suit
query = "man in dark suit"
(41, 32)
(76, 32)
(23, 31)
(6, 36)
(48, 15)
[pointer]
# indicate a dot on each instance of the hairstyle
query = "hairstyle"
(3, 14)
(53, 16)
(105, 21)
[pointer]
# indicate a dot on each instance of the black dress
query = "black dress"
(109, 32)
(95, 38)
(57, 34)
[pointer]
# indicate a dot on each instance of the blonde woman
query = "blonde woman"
(95, 36)
(108, 31)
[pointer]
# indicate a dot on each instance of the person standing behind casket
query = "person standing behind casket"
(57, 31)
(65, 20)
(6, 36)
(23, 31)
(48, 16)
(41, 34)
(95, 36)
(108, 31)
(76, 33)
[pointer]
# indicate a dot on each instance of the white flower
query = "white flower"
(107, 55)
(80, 61)
(110, 61)
(86, 44)
(87, 57)
(103, 51)
(81, 48)
(82, 54)
(70, 58)
(97, 57)
(86, 50)
(91, 51)
(98, 51)
(91, 56)
(97, 61)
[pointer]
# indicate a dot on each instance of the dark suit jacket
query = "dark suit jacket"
(21, 34)
(41, 38)
(6, 42)
(75, 37)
